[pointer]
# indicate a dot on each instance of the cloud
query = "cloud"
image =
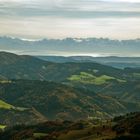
(68, 8)
(62, 18)
(127, 1)
(62, 27)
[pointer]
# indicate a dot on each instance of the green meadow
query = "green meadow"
(2, 127)
(88, 78)
(4, 105)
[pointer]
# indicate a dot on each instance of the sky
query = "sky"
(35, 19)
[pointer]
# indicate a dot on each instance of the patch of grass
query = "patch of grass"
(21, 108)
(5, 81)
(87, 78)
(83, 77)
(2, 127)
(39, 135)
(4, 105)
(103, 79)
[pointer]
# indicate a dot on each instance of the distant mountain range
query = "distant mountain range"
(118, 62)
(105, 51)
(72, 46)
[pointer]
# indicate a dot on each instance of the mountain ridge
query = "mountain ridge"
(68, 46)
(115, 61)
(27, 67)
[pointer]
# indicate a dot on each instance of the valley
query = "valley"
(34, 91)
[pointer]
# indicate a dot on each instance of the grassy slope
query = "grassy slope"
(87, 78)
(4, 105)
(2, 127)
(60, 101)
(27, 67)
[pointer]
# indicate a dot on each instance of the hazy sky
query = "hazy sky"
(33, 19)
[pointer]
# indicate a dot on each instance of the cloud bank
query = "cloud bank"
(36, 19)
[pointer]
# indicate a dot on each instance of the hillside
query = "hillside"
(14, 66)
(10, 113)
(118, 62)
(121, 128)
(58, 101)
(26, 67)
(74, 91)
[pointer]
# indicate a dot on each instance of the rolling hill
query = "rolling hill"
(26, 67)
(74, 90)
(120, 128)
(118, 62)
(59, 101)
(22, 115)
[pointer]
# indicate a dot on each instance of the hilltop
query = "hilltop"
(27, 67)
(122, 127)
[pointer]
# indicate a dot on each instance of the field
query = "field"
(87, 78)
(4, 105)
(2, 127)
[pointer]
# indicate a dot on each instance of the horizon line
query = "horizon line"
(48, 38)
(67, 56)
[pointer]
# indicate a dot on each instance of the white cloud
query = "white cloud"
(62, 18)
(132, 1)
(62, 27)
